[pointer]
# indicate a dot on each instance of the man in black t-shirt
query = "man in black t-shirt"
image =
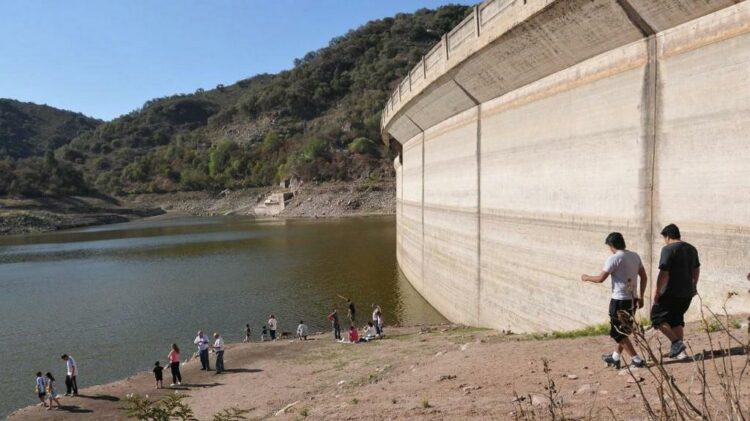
(677, 283)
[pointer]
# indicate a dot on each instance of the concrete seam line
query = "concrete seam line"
(635, 18)
(416, 125)
(653, 116)
(422, 208)
(479, 212)
(471, 97)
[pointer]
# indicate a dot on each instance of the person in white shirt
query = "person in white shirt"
(219, 350)
(302, 330)
(375, 312)
(272, 324)
(71, 379)
(370, 333)
(202, 341)
(625, 267)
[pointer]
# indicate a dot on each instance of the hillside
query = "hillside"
(28, 129)
(29, 135)
(318, 121)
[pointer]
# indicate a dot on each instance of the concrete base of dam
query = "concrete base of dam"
(535, 128)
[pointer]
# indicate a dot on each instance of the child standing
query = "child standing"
(41, 389)
(51, 392)
(248, 333)
(159, 375)
(264, 334)
(302, 330)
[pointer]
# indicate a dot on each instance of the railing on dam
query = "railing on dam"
(464, 37)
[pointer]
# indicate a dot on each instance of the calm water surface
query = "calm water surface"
(116, 296)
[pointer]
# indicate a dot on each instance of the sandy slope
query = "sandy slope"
(444, 372)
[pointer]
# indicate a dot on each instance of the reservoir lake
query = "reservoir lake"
(115, 297)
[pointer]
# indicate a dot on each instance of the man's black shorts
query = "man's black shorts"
(620, 319)
(670, 310)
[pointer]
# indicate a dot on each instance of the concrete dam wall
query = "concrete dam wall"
(536, 127)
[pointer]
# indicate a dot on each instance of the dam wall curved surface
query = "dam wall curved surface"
(537, 127)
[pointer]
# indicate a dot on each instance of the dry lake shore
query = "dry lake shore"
(311, 200)
(423, 372)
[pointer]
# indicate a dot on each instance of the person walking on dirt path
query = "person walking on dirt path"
(71, 379)
(677, 283)
(174, 365)
(218, 348)
(334, 318)
(625, 267)
(158, 375)
(202, 341)
(41, 389)
(272, 325)
(351, 310)
(51, 391)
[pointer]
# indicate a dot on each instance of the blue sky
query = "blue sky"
(107, 57)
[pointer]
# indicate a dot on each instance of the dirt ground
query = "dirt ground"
(439, 372)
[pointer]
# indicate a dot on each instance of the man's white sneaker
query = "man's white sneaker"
(172, 385)
(682, 355)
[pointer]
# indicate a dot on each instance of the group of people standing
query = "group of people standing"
(372, 330)
(203, 342)
(45, 384)
(676, 284)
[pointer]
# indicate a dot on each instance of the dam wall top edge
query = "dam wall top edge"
(492, 20)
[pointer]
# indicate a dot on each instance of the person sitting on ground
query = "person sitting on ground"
(302, 330)
(159, 375)
(264, 334)
(353, 334)
(52, 395)
(248, 333)
(369, 333)
(41, 389)
(625, 267)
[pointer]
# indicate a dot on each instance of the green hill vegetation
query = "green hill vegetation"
(28, 135)
(317, 121)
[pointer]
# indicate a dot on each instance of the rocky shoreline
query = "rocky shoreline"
(311, 200)
(28, 216)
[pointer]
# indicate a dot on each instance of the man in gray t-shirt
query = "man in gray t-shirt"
(625, 267)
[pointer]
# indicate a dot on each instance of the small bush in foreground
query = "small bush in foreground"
(173, 407)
